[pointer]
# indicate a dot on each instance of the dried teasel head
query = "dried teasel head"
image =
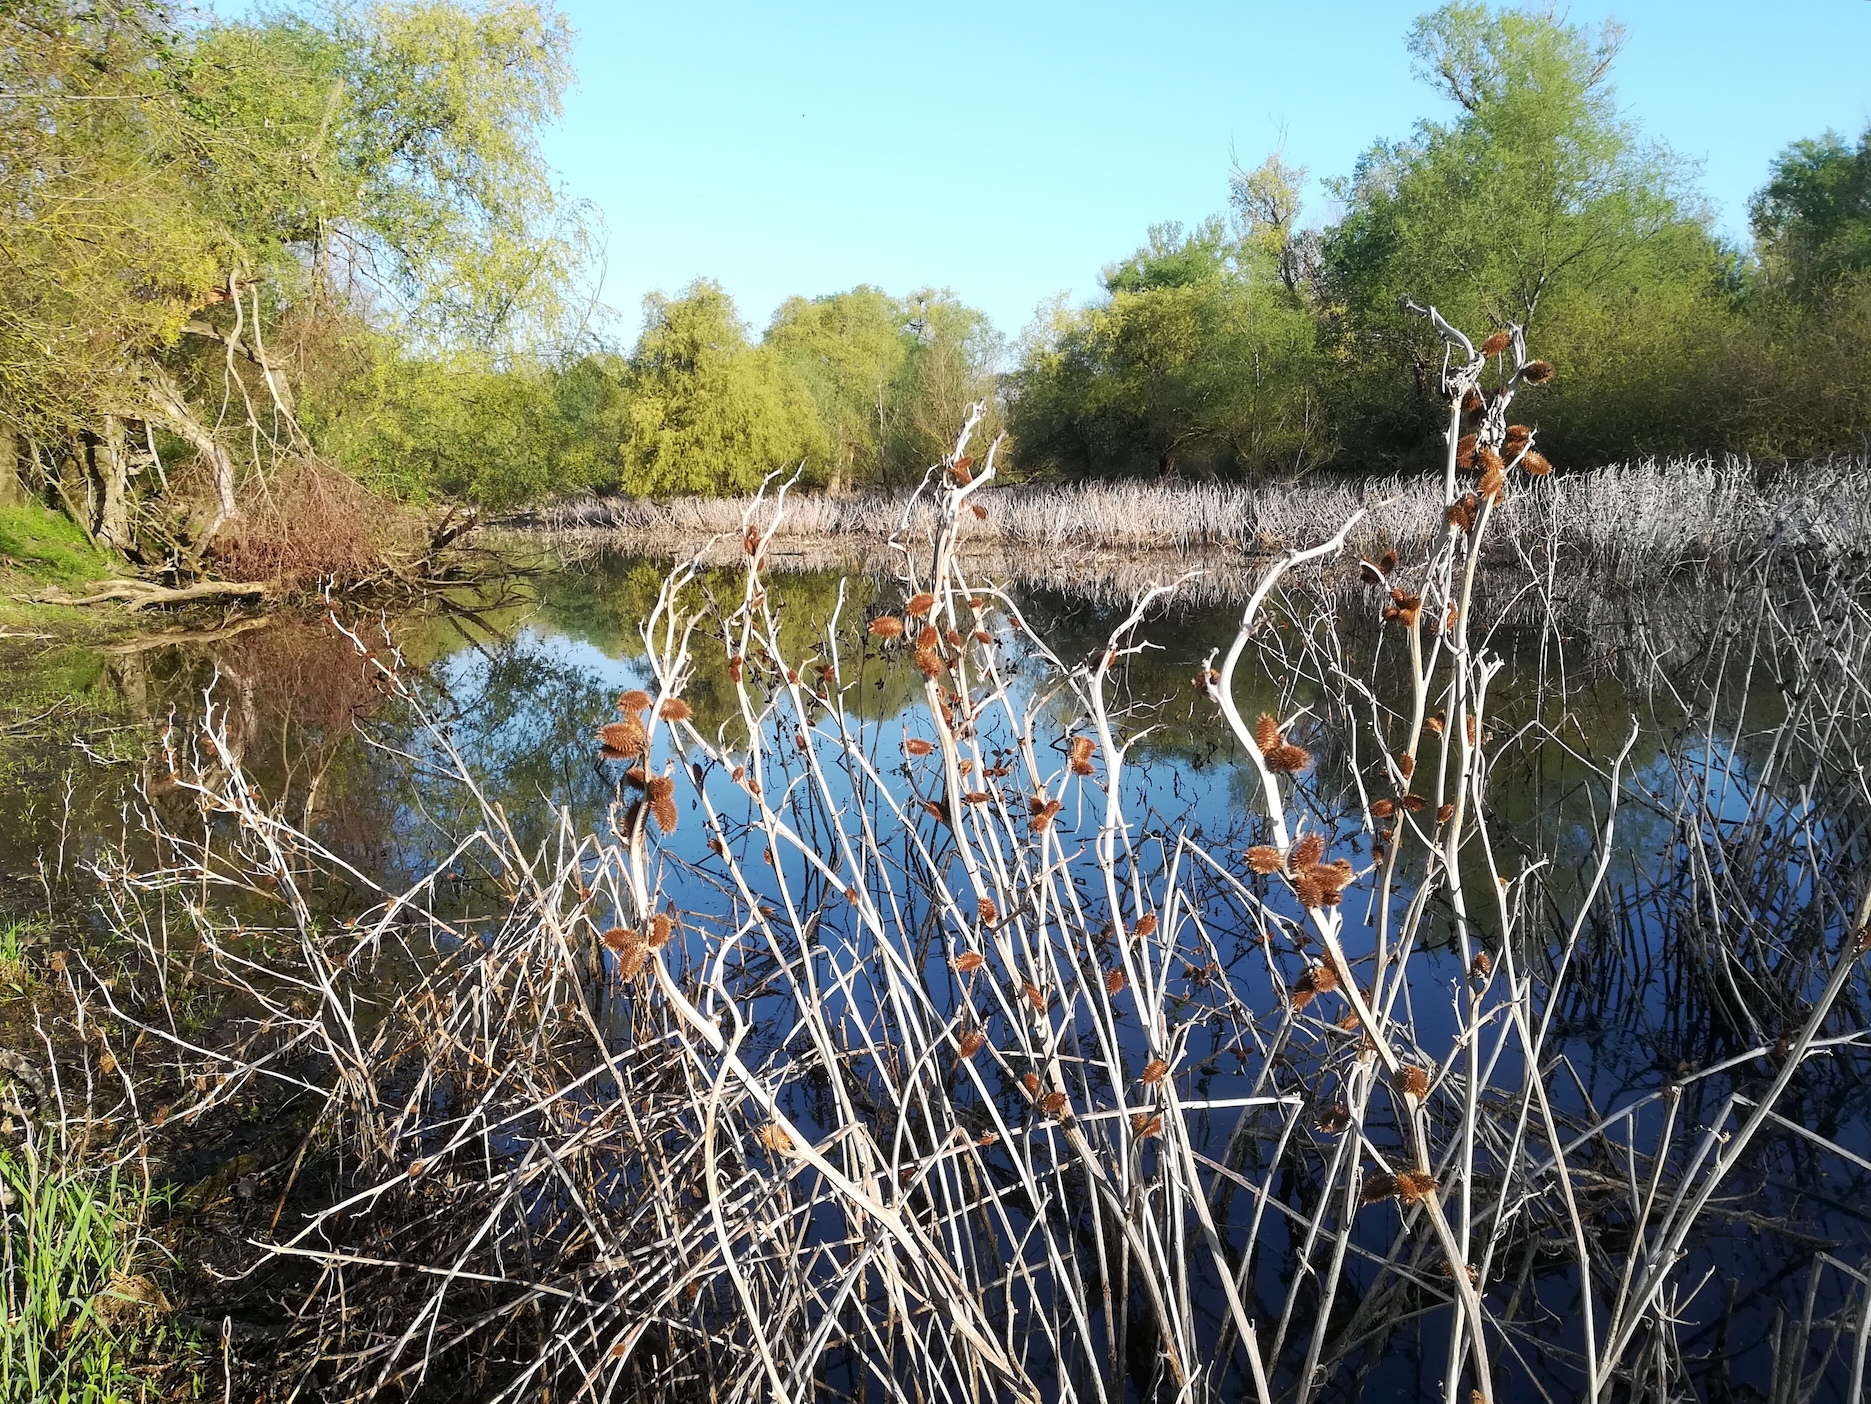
(1493, 485)
(1461, 513)
(1536, 463)
(1333, 1120)
(928, 637)
(674, 709)
(1264, 859)
(1414, 1185)
(929, 663)
(1288, 760)
(774, 1137)
(1114, 980)
(1413, 803)
(634, 703)
(1412, 1081)
(1266, 732)
(968, 960)
(1483, 965)
(1471, 402)
(1081, 755)
(662, 927)
(886, 626)
(1382, 809)
(916, 746)
(1406, 765)
(1153, 1072)
(971, 1043)
(1537, 372)
(1053, 1104)
(1146, 925)
(622, 740)
(1444, 814)
(986, 909)
(1035, 996)
(661, 793)
(919, 605)
(960, 469)
(1497, 343)
(1516, 439)
(1489, 461)
(1308, 851)
(1378, 1187)
(980, 512)
(1144, 1125)
(1465, 451)
(1030, 1081)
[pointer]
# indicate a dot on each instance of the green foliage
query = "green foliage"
(1537, 204)
(1200, 361)
(708, 411)
(77, 1312)
(1812, 220)
(850, 350)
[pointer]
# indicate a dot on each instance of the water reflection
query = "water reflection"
(520, 690)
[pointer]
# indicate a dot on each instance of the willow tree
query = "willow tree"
(1537, 204)
(194, 207)
(707, 410)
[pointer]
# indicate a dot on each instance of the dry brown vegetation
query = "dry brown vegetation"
(938, 1072)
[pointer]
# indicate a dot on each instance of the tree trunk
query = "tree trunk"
(110, 465)
(167, 408)
(12, 488)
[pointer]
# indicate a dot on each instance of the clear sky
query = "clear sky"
(1009, 150)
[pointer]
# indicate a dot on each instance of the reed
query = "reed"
(947, 1070)
(1630, 522)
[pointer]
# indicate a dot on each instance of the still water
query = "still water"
(520, 685)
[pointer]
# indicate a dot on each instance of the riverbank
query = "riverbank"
(1628, 522)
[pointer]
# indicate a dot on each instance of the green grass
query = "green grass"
(79, 1315)
(49, 547)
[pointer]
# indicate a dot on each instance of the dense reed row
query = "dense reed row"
(946, 1067)
(1635, 520)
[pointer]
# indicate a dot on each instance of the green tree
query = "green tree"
(1538, 204)
(708, 411)
(850, 349)
(197, 206)
(1812, 220)
(1200, 361)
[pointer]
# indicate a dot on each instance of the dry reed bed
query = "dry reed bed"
(936, 1075)
(1634, 520)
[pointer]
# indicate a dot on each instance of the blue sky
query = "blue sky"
(1009, 150)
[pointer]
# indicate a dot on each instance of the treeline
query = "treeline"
(263, 276)
(1252, 345)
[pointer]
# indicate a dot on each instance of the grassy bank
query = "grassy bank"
(1632, 520)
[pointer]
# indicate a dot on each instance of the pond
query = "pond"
(1670, 982)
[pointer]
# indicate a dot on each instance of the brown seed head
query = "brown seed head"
(1081, 755)
(662, 926)
(969, 960)
(886, 626)
(623, 738)
(916, 746)
(1444, 814)
(1413, 1185)
(1537, 372)
(1035, 996)
(1413, 1081)
(1031, 1082)
(1496, 344)
(1379, 1187)
(1266, 732)
(1153, 1072)
(1536, 463)
(1114, 980)
(1146, 925)
(1288, 760)
(1308, 851)
(674, 709)
(985, 907)
(980, 512)
(1263, 859)
(634, 703)
(1053, 1104)
(1144, 1125)
(1382, 809)
(1465, 451)
(929, 663)
(971, 1043)
(919, 605)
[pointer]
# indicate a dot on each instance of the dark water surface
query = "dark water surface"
(521, 687)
